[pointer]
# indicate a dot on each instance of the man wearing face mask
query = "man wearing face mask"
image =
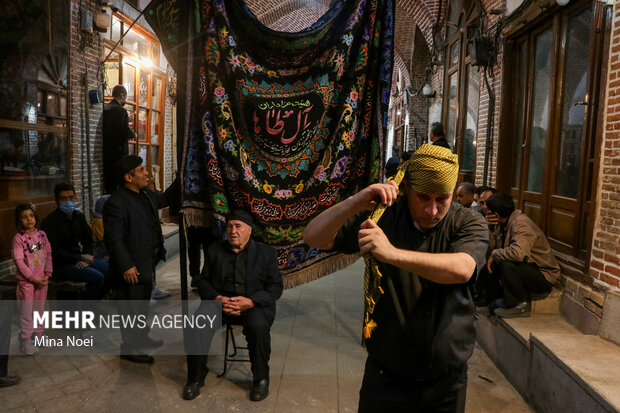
(72, 245)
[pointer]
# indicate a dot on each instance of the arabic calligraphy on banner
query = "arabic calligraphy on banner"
(283, 126)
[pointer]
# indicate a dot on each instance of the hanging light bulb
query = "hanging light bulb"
(562, 2)
(427, 90)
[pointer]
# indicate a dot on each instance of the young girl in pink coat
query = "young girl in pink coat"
(32, 254)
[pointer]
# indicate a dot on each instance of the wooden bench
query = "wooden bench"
(54, 286)
(7, 292)
(66, 286)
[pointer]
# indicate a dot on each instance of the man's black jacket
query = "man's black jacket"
(69, 236)
(263, 284)
(116, 132)
(133, 234)
(442, 142)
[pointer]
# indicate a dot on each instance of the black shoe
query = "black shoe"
(192, 390)
(7, 381)
(260, 390)
(520, 310)
(152, 343)
(138, 358)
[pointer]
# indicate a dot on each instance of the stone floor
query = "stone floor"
(316, 366)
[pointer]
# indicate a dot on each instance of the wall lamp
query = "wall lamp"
(102, 19)
(428, 91)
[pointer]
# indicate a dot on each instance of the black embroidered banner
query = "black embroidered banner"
(283, 125)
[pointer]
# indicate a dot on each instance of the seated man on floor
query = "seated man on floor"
(72, 245)
(465, 194)
(243, 274)
(481, 195)
(521, 264)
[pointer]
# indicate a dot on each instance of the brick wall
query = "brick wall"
(291, 15)
(84, 119)
(605, 261)
(495, 82)
(299, 19)
(418, 113)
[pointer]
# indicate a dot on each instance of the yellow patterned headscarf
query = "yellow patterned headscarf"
(432, 170)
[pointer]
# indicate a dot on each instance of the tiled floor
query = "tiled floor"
(316, 366)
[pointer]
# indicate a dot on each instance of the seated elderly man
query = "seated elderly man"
(243, 274)
(521, 259)
(72, 245)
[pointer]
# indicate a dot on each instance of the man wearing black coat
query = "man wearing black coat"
(72, 245)
(133, 237)
(437, 135)
(243, 274)
(116, 134)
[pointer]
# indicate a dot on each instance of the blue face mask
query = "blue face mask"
(67, 207)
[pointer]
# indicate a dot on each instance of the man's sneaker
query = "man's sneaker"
(158, 293)
(149, 342)
(520, 310)
(483, 311)
(29, 349)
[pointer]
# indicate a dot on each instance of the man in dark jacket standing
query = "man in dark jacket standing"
(133, 237)
(243, 274)
(116, 134)
(437, 135)
(72, 245)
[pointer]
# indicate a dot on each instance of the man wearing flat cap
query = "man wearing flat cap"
(243, 274)
(421, 330)
(133, 238)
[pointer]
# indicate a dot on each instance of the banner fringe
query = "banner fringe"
(197, 217)
(319, 270)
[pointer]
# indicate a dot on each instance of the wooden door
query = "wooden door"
(556, 82)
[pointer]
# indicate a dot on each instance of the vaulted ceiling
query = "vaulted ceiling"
(294, 15)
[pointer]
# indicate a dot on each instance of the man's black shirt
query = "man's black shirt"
(236, 274)
(424, 329)
(69, 235)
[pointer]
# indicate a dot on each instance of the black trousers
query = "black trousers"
(383, 392)
(256, 324)
(198, 240)
(110, 178)
(133, 300)
(5, 338)
(514, 281)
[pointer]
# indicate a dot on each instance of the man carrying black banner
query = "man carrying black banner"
(243, 274)
(427, 248)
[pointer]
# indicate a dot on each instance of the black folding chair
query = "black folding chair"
(230, 337)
